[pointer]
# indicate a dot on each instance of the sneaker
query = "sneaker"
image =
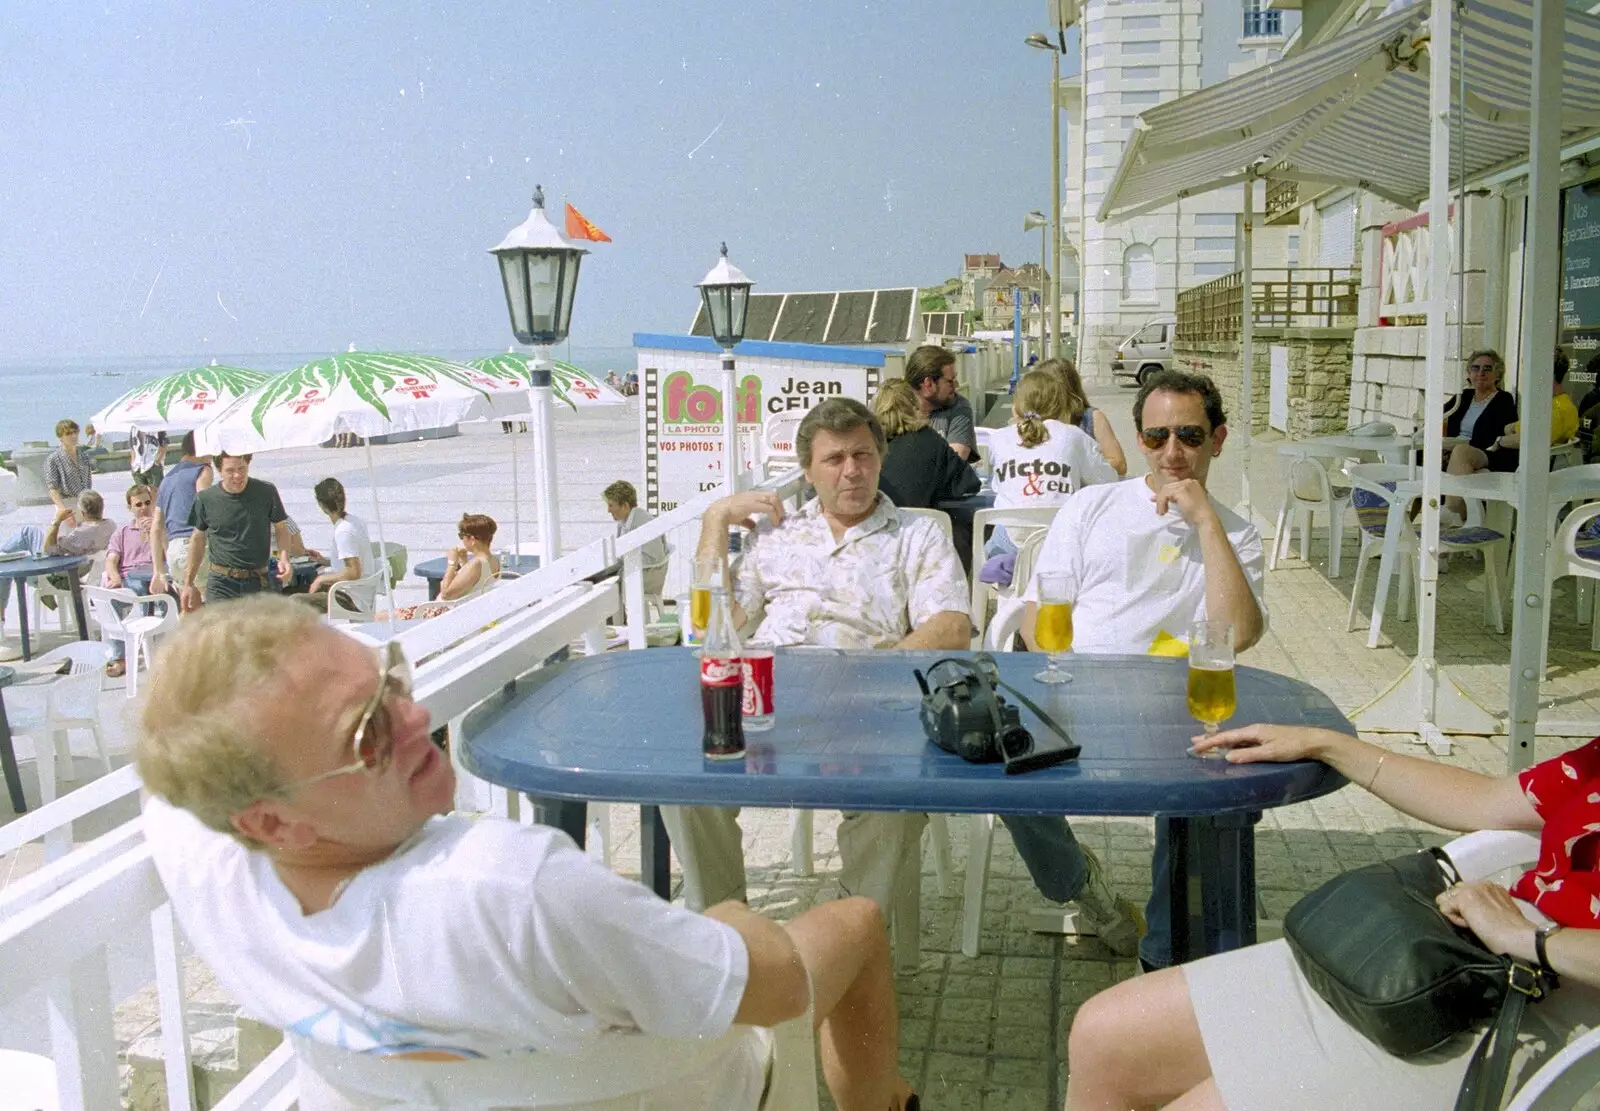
(1113, 918)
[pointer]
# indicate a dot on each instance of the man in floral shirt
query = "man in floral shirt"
(848, 570)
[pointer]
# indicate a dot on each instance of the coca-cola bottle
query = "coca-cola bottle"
(721, 683)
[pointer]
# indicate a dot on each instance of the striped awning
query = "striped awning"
(1354, 111)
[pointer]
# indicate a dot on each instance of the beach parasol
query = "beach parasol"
(177, 402)
(571, 384)
(361, 392)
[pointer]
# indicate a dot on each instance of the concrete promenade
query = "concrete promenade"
(985, 1033)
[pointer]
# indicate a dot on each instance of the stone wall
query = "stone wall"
(1319, 376)
(1391, 372)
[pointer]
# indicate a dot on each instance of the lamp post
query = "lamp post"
(540, 273)
(1037, 219)
(726, 292)
(1043, 42)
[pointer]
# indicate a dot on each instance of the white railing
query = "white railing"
(60, 924)
(1405, 266)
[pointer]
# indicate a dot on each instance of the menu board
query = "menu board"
(1580, 283)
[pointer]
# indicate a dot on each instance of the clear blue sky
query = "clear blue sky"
(188, 178)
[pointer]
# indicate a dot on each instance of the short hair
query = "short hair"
(1179, 381)
(479, 526)
(199, 747)
(1040, 397)
(221, 455)
(137, 489)
(621, 492)
(1562, 365)
(92, 504)
(897, 408)
(1077, 397)
(330, 495)
(837, 415)
(65, 427)
(1493, 356)
(188, 443)
(927, 363)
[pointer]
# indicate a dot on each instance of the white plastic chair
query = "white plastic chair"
(1565, 455)
(395, 555)
(1309, 487)
(937, 516)
(1373, 497)
(778, 448)
(43, 588)
(982, 461)
(137, 630)
(1571, 554)
(69, 702)
(1021, 525)
(30, 1081)
(362, 595)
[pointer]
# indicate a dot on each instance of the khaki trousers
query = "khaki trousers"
(879, 853)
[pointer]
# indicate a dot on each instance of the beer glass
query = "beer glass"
(1212, 699)
(708, 576)
(1053, 629)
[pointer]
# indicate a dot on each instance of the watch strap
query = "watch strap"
(1540, 935)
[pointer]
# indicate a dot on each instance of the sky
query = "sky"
(224, 178)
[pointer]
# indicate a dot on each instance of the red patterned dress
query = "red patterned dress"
(1565, 791)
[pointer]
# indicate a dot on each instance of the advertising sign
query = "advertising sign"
(1579, 328)
(681, 405)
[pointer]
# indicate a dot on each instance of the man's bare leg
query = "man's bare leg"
(845, 948)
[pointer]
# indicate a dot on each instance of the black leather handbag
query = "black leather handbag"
(1375, 946)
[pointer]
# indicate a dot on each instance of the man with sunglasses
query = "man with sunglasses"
(295, 823)
(1149, 557)
(130, 563)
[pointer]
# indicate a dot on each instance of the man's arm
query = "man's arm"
(943, 631)
(52, 535)
(349, 572)
(961, 449)
(285, 568)
(723, 514)
(1228, 594)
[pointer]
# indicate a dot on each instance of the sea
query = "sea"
(36, 393)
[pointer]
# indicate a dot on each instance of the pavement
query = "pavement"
(987, 1033)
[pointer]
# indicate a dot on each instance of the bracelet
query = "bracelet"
(1540, 934)
(1382, 756)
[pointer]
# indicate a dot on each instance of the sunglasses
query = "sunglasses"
(372, 743)
(1481, 368)
(1189, 435)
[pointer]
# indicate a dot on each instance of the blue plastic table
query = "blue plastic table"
(21, 570)
(625, 727)
(433, 570)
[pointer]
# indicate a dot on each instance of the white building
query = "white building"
(1137, 54)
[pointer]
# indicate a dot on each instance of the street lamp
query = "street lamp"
(1043, 42)
(1037, 219)
(726, 292)
(540, 272)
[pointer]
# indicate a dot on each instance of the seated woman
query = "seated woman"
(1507, 450)
(1245, 1030)
(1080, 413)
(919, 468)
(1039, 460)
(468, 570)
(1474, 421)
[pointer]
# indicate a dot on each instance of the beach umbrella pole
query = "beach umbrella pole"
(1247, 338)
(544, 459)
(516, 497)
(377, 520)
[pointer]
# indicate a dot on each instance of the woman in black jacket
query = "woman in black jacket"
(1477, 418)
(919, 468)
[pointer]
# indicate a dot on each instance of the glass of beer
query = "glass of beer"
(707, 577)
(1212, 699)
(1053, 629)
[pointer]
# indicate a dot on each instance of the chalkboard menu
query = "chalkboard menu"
(1579, 328)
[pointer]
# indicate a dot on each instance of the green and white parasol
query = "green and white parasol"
(177, 402)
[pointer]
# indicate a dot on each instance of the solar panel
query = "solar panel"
(804, 319)
(892, 315)
(851, 315)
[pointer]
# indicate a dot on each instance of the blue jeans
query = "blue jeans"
(139, 583)
(1155, 948)
(28, 538)
(1051, 853)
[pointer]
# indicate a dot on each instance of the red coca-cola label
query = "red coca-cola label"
(757, 668)
(720, 672)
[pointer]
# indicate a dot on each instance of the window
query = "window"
(1214, 243)
(1336, 245)
(1143, 46)
(1291, 251)
(1205, 271)
(1140, 23)
(1141, 73)
(1152, 333)
(1215, 220)
(1139, 272)
(1151, 97)
(1259, 23)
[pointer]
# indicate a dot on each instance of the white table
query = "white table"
(1391, 449)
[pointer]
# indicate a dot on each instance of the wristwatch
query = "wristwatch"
(1541, 934)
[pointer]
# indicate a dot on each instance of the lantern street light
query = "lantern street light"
(540, 273)
(726, 291)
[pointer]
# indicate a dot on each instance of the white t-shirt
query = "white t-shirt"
(477, 938)
(1135, 576)
(1030, 477)
(350, 539)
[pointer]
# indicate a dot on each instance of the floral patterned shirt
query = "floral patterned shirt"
(885, 577)
(1565, 791)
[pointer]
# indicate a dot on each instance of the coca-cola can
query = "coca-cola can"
(759, 711)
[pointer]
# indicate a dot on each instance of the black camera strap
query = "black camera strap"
(1037, 711)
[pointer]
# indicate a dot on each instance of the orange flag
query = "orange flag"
(579, 227)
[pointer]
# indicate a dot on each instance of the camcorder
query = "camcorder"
(963, 713)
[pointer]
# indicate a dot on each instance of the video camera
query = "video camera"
(963, 714)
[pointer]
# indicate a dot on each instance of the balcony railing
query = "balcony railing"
(1283, 197)
(1405, 267)
(1294, 298)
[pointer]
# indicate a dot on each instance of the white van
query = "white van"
(1146, 351)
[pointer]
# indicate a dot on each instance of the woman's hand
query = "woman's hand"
(1489, 911)
(1271, 743)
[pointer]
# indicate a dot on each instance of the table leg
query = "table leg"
(8, 763)
(434, 586)
(22, 617)
(1226, 858)
(571, 818)
(1183, 897)
(77, 603)
(655, 852)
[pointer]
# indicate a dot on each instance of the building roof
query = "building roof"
(854, 316)
(982, 262)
